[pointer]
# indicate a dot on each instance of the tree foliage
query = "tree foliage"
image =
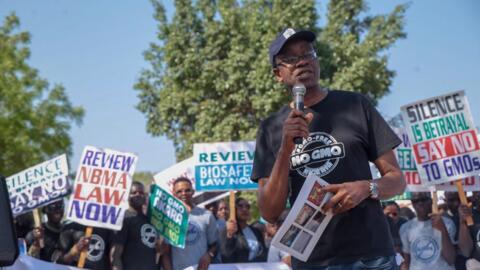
(210, 80)
(34, 117)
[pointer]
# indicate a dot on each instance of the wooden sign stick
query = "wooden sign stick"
(463, 199)
(434, 202)
(232, 205)
(38, 223)
(83, 254)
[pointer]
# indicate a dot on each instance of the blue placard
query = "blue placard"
(224, 177)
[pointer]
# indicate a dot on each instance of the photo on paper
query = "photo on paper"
(302, 241)
(305, 222)
(290, 236)
(316, 195)
(305, 213)
(315, 222)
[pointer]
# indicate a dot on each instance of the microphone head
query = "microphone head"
(299, 89)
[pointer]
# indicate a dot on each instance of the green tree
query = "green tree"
(34, 117)
(210, 79)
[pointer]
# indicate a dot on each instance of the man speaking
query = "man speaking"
(341, 131)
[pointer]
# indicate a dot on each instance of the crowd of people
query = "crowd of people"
(421, 238)
(211, 237)
(442, 240)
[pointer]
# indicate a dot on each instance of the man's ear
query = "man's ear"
(278, 76)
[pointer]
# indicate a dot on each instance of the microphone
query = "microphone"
(298, 92)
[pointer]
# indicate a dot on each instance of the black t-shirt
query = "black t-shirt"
(346, 133)
(50, 240)
(138, 238)
(475, 234)
(97, 254)
(474, 230)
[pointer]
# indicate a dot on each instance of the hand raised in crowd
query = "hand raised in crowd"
(437, 222)
(296, 125)
(346, 196)
(232, 228)
(464, 212)
(204, 262)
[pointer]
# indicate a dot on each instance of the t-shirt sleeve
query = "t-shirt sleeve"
(263, 160)
(120, 237)
(212, 230)
(381, 138)
(404, 237)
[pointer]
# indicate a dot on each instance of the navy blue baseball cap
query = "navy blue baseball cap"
(286, 35)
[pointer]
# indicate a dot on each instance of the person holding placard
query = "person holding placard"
(240, 242)
(43, 242)
(456, 212)
(337, 136)
(202, 236)
(469, 236)
(427, 240)
(135, 246)
(72, 241)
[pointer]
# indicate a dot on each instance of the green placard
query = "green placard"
(169, 216)
(405, 196)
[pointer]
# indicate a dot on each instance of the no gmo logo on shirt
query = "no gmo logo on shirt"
(318, 154)
(425, 249)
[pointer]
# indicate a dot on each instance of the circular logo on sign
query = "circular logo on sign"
(425, 249)
(96, 248)
(318, 154)
(193, 234)
(149, 235)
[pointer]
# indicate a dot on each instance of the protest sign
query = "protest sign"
(38, 185)
(407, 164)
(168, 215)
(305, 223)
(443, 138)
(224, 166)
(185, 168)
(102, 185)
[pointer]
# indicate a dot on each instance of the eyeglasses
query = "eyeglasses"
(420, 200)
(188, 190)
(292, 60)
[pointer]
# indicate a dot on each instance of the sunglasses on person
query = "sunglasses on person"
(292, 60)
(186, 191)
(421, 200)
(54, 207)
